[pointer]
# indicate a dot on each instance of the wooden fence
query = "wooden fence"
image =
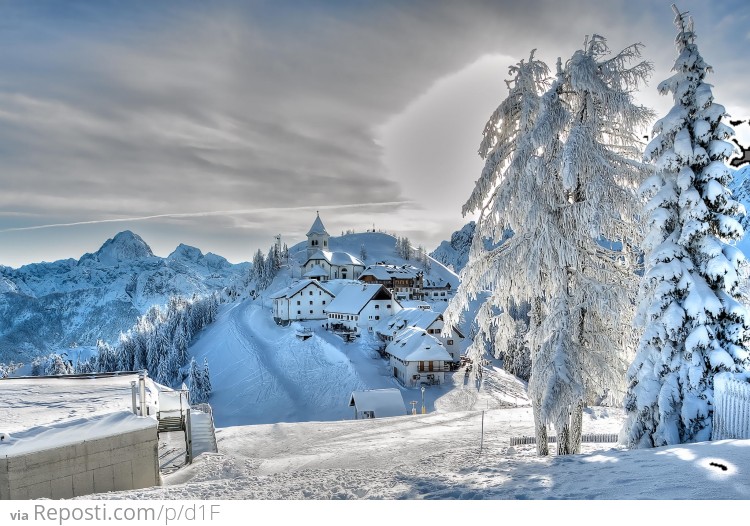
(731, 406)
(596, 438)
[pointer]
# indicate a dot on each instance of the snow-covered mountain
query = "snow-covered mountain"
(48, 307)
(455, 253)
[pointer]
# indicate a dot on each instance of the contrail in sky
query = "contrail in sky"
(204, 214)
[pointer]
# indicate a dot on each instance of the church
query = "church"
(324, 265)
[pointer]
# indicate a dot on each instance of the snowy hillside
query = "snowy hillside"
(48, 307)
(262, 373)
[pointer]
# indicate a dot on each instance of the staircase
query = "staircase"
(202, 431)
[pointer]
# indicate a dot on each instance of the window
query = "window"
(310, 293)
(450, 342)
(311, 312)
(388, 306)
(310, 302)
(298, 302)
(324, 302)
(377, 306)
(377, 317)
(299, 312)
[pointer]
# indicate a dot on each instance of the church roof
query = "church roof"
(335, 258)
(317, 227)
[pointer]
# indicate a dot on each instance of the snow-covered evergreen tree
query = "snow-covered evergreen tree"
(194, 383)
(559, 173)
(362, 252)
(206, 380)
(693, 324)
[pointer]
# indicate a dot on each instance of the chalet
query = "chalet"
(359, 307)
(417, 357)
(377, 403)
(429, 320)
(437, 289)
(304, 300)
(404, 281)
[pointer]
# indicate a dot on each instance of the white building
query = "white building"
(429, 320)
(377, 403)
(437, 289)
(359, 307)
(304, 300)
(417, 357)
(323, 264)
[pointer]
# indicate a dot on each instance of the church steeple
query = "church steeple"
(317, 237)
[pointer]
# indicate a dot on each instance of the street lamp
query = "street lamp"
(423, 408)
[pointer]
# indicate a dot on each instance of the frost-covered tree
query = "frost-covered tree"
(559, 173)
(362, 252)
(693, 324)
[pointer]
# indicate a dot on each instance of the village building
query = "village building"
(358, 308)
(377, 403)
(304, 300)
(436, 289)
(321, 263)
(417, 357)
(404, 281)
(429, 320)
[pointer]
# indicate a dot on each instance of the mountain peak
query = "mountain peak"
(125, 246)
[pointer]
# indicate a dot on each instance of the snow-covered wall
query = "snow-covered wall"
(33, 466)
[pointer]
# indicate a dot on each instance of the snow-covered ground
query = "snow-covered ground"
(432, 456)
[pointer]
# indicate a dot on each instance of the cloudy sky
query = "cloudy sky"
(222, 124)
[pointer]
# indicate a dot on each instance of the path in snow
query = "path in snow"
(262, 373)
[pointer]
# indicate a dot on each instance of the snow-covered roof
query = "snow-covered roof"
(388, 272)
(335, 285)
(335, 258)
(352, 298)
(436, 283)
(294, 288)
(408, 318)
(43, 400)
(414, 344)
(316, 272)
(317, 227)
(382, 402)
(415, 304)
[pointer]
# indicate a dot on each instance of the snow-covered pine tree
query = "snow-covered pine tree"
(206, 388)
(362, 252)
(194, 382)
(693, 324)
